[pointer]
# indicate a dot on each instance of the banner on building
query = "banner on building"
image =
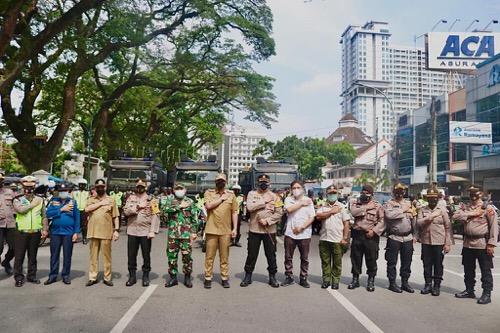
(470, 132)
(460, 51)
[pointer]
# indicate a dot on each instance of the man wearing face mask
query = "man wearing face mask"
(81, 197)
(31, 227)
(334, 236)
(298, 232)
(143, 223)
(103, 227)
(368, 226)
(266, 210)
(236, 190)
(182, 223)
(7, 224)
(401, 233)
(435, 234)
(480, 239)
(222, 223)
(64, 230)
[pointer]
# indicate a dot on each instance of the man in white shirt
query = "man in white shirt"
(298, 232)
(334, 236)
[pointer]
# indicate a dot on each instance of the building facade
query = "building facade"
(372, 67)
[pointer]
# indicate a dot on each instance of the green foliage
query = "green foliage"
(383, 181)
(309, 153)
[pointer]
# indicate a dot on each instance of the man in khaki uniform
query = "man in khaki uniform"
(480, 239)
(222, 222)
(400, 229)
(7, 224)
(435, 234)
(143, 223)
(266, 209)
(368, 226)
(103, 226)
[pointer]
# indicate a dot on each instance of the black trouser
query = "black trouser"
(469, 257)
(254, 240)
(133, 244)
(392, 250)
(432, 257)
(7, 235)
(25, 242)
(367, 247)
(83, 224)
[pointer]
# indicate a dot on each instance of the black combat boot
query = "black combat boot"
(427, 289)
(436, 290)
(247, 280)
(394, 287)
(325, 284)
(132, 279)
(207, 284)
(172, 282)
(188, 281)
(272, 281)
(303, 282)
(467, 293)
(354, 283)
(485, 298)
(405, 286)
(370, 286)
(8, 268)
(288, 281)
(145, 279)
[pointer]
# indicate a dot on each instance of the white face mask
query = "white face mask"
(297, 192)
(180, 193)
(64, 195)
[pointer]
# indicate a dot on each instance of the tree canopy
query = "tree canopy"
(309, 153)
(148, 75)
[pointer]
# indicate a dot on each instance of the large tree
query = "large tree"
(309, 153)
(54, 48)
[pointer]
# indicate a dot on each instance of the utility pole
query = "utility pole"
(376, 150)
(433, 157)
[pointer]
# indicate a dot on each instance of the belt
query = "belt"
(400, 235)
(29, 231)
(478, 236)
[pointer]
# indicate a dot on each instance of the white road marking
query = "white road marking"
(355, 312)
(279, 240)
(129, 315)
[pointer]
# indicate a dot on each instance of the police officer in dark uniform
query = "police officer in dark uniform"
(368, 226)
(400, 228)
(480, 239)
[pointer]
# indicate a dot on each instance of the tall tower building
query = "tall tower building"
(372, 67)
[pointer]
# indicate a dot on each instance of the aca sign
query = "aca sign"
(460, 51)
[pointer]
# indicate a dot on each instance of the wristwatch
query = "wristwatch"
(117, 230)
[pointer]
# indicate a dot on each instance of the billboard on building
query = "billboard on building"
(460, 51)
(470, 132)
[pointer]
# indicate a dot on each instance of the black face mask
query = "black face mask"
(432, 203)
(100, 191)
(364, 198)
(398, 195)
(263, 186)
(28, 191)
(141, 190)
(220, 185)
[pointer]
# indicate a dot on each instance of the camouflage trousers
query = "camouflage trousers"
(173, 247)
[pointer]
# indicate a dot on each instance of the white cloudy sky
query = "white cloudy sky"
(307, 67)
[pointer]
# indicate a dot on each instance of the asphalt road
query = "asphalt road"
(258, 308)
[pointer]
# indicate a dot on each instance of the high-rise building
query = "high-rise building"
(372, 67)
(235, 153)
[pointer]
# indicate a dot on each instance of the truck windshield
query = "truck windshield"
(129, 174)
(196, 180)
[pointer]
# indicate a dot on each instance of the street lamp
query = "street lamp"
(489, 23)
(87, 132)
(438, 23)
(392, 113)
(451, 26)
(471, 24)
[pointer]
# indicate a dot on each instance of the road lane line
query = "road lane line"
(355, 312)
(130, 314)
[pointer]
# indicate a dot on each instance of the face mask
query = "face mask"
(100, 191)
(332, 197)
(474, 196)
(220, 185)
(28, 191)
(141, 189)
(180, 194)
(297, 192)
(364, 198)
(82, 187)
(64, 195)
(398, 195)
(432, 203)
(263, 186)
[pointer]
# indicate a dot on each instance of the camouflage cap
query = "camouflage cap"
(179, 186)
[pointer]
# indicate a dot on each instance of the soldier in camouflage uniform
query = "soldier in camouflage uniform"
(182, 224)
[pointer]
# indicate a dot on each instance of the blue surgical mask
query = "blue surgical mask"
(64, 195)
(332, 197)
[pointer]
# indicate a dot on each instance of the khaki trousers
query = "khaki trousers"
(214, 243)
(98, 246)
